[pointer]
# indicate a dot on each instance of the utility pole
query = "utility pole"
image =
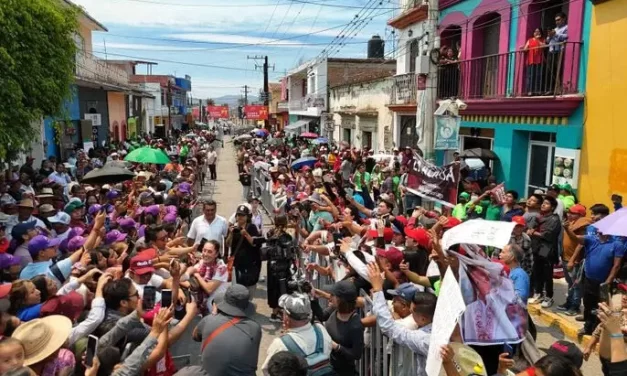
(266, 85)
(433, 41)
(245, 95)
(169, 100)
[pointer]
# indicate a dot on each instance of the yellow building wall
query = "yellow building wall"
(117, 115)
(603, 168)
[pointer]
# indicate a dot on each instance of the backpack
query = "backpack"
(317, 362)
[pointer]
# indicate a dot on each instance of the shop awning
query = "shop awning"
(296, 125)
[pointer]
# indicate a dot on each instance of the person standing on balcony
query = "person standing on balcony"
(450, 74)
(556, 40)
(534, 48)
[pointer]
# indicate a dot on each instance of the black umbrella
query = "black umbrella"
(109, 174)
(478, 153)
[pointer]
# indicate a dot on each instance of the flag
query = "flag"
(498, 193)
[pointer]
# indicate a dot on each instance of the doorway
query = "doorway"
(408, 134)
(540, 161)
(485, 49)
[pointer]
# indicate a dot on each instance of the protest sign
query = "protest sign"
(479, 231)
(448, 310)
(436, 183)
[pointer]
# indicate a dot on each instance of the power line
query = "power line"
(248, 5)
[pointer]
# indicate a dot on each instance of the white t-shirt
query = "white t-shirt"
(155, 281)
(221, 275)
(212, 156)
(201, 229)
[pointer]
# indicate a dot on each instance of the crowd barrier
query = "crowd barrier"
(261, 186)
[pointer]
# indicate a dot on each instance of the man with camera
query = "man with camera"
(302, 338)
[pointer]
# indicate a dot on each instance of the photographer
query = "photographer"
(244, 243)
(281, 258)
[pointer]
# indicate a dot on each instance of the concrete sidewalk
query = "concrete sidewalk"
(227, 192)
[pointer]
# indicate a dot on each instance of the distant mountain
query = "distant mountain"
(233, 100)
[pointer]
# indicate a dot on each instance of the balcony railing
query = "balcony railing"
(297, 105)
(93, 69)
(283, 106)
(404, 89)
(318, 101)
(546, 71)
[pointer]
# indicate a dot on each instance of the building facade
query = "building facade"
(361, 115)
(602, 168)
(525, 105)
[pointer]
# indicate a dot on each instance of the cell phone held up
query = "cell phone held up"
(149, 298)
(92, 350)
(166, 298)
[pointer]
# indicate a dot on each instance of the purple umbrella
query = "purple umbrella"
(614, 224)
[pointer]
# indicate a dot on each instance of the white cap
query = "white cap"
(60, 217)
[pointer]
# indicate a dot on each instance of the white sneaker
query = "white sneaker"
(537, 298)
(548, 302)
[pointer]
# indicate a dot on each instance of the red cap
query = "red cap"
(70, 306)
(142, 264)
(452, 222)
(388, 234)
(578, 209)
(519, 220)
(420, 236)
(392, 254)
(5, 289)
(402, 220)
(432, 214)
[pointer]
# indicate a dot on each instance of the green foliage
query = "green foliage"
(211, 102)
(37, 51)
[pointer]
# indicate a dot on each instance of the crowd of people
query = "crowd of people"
(105, 278)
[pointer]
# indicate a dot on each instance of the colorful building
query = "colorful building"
(603, 167)
(525, 105)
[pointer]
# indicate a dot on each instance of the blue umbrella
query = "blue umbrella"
(260, 133)
(305, 161)
(321, 140)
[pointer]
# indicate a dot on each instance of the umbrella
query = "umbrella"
(308, 135)
(148, 155)
(305, 161)
(109, 174)
(474, 164)
(479, 153)
(243, 137)
(260, 133)
(274, 141)
(614, 224)
(321, 140)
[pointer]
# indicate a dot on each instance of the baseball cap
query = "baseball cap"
(75, 243)
(94, 209)
(568, 350)
(70, 305)
(519, 220)
(114, 237)
(169, 218)
(21, 229)
(452, 222)
(7, 260)
(60, 217)
(419, 235)
(41, 242)
(405, 291)
(127, 223)
(242, 210)
(467, 360)
(465, 195)
(344, 290)
(388, 234)
(112, 194)
(296, 306)
(73, 205)
(578, 209)
(142, 264)
(5, 289)
(185, 188)
(152, 210)
(392, 254)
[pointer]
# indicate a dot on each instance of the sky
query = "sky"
(211, 40)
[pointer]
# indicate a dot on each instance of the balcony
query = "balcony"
(92, 69)
(404, 90)
(412, 11)
(310, 105)
(283, 106)
(525, 79)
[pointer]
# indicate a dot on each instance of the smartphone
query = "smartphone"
(166, 298)
(149, 298)
(507, 348)
(337, 240)
(605, 296)
(107, 224)
(92, 350)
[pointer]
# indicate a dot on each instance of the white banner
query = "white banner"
(448, 310)
(479, 231)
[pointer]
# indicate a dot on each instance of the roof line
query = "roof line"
(89, 17)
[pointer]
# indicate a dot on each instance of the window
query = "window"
(347, 135)
(413, 54)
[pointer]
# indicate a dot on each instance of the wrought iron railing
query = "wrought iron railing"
(544, 71)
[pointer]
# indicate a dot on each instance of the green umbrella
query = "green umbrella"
(148, 155)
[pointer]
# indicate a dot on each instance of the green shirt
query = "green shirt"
(459, 211)
(492, 210)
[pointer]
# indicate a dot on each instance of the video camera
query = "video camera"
(299, 285)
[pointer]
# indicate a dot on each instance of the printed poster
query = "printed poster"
(218, 112)
(566, 167)
(446, 132)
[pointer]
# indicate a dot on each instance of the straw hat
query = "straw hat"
(42, 337)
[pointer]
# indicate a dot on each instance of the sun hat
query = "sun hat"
(296, 306)
(42, 337)
(46, 208)
(236, 302)
(45, 193)
(26, 203)
(467, 360)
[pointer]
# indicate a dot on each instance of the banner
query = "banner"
(196, 113)
(435, 183)
(479, 231)
(256, 112)
(218, 112)
(446, 132)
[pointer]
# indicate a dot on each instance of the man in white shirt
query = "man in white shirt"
(60, 176)
(212, 158)
(208, 226)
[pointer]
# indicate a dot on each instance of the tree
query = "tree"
(211, 102)
(37, 51)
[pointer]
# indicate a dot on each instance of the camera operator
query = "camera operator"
(244, 241)
(281, 257)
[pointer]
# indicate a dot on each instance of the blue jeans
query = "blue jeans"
(573, 300)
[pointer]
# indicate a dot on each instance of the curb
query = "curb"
(553, 319)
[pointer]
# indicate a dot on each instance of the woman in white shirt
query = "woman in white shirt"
(211, 273)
